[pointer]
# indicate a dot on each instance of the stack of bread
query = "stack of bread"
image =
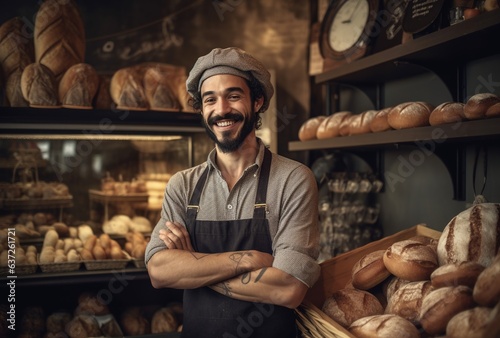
(430, 286)
(57, 250)
(136, 244)
(35, 190)
(101, 248)
(402, 116)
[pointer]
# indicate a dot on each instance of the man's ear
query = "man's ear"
(258, 104)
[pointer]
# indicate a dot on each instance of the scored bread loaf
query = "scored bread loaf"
(463, 273)
(477, 105)
(134, 323)
(472, 235)
(477, 322)
(369, 271)
(392, 285)
(407, 300)
(78, 86)
(39, 86)
(361, 124)
(159, 90)
(447, 112)
(16, 47)
(309, 128)
(384, 326)
(329, 127)
(13, 91)
(347, 305)
(164, 320)
(379, 122)
(410, 115)
(127, 90)
(59, 36)
(487, 287)
(493, 110)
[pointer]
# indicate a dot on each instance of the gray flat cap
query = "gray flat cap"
(232, 61)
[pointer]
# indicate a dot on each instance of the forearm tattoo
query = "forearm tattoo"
(237, 257)
(224, 288)
(247, 276)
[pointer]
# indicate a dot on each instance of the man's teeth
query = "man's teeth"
(224, 123)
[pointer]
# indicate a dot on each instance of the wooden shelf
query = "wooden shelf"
(468, 40)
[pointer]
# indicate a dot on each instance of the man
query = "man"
(238, 233)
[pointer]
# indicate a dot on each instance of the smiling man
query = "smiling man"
(239, 233)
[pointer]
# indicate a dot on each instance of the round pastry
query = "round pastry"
(347, 305)
(440, 305)
(407, 300)
(369, 271)
(379, 122)
(477, 322)
(472, 235)
(447, 112)
(309, 128)
(330, 126)
(383, 326)
(452, 274)
(487, 288)
(410, 260)
(410, 115)
(477, 105)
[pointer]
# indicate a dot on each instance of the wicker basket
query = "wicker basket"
(60, 267)
(313, 324)
(106, 264)
(20, 269)
(139, 263)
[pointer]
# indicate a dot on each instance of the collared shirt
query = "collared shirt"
(292, 209)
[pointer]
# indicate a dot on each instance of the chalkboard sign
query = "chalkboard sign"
(423, 15)
(390, 22)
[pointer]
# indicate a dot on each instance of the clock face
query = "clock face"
(348, 25)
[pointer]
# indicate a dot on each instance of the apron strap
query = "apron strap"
(194, 202)
(260, 206)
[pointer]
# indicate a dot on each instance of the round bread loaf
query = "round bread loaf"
(407, 300)
(369, 271)
(440, 305)
(159, 90)
(476, 322)
(134, 323)
(453, 274)
(78, 86)
(330, 126)
(83, 326)
(13, 91)
(472, 235)
(39, 86)
(347, 305)
(310, 127)
(447, 112)
(164, 320)
(383, 326)
(392, 285)
(411, 260)
(477, 105)
(487, 288)
(127, 91)
(493, 111)
(361, 125)
(379, 122)
(410, 115)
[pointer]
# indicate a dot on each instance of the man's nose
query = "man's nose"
(222, 107)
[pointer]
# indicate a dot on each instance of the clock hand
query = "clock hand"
(352, 13)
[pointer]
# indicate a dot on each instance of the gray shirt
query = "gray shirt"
(292, 209)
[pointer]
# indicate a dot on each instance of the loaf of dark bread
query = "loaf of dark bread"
(407, 300)
(487, 287)
(447, 112)
(478, 104)
(452, 274)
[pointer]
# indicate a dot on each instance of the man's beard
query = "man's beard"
(228, 145)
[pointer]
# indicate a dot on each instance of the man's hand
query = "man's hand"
(176, 237)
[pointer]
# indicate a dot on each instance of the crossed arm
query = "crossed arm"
(244, 275)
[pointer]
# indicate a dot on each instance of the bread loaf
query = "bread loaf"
(16, 46)
(452, 274)
(345, 125)
(309, 128)
(347, 305)
(330, 126)
(164, 320)
(487, 287)
(411, 260)
(78, 86)
(440, 305)
(362, 126)
(493, 110)
(407, 300)
(369, 271)
(134, 323)
(127, 90)
(391, 285)
(410, 115)
(39, 86)
(13, 92)
(447, 112)
(478, 322)
(83, 326)
(379, 122)
(383, 326)
(159, 90)
(472, 235)
(477, 105)
(59, 36)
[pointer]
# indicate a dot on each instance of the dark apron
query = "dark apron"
(210, 314)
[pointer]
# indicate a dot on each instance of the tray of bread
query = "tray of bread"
(103, 253)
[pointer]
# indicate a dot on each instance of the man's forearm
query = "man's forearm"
(266, 285)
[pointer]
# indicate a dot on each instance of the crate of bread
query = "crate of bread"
(416, 282)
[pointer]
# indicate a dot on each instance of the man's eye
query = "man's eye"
(234, 97)
(209, 100)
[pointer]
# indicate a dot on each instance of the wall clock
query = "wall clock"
(347, 28)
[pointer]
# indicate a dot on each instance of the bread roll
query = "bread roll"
(369, 271)
(348, 305)
(493, 110)
(83, 326)
(478, 322)
(13, 92)
(407, 300)
(411, 260)
(487, 287)
(127, 90)
(39, 86)
(472, 235)
(78, 86)
(410, 115)
(159, 91)
(164, 320)
(383, 326)
(440, 305)
(477, 105)
(330, 126)
(16, 47)
(59, 36)
(310, 127)
(361, 125)
(379, 122)
(392, 285)
(452, 274)
(447, 112)
(91, 304)
(134, 323)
